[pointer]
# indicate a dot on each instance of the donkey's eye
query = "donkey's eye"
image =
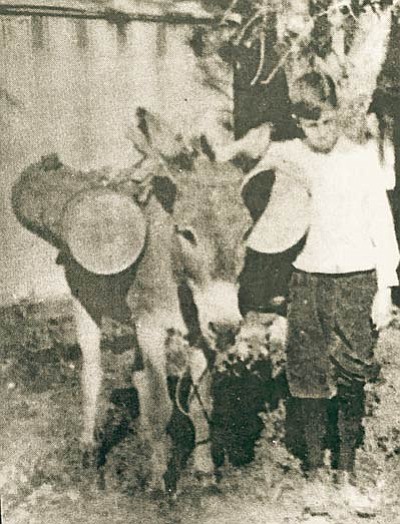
(188, 235)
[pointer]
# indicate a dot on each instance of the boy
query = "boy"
(342, 277)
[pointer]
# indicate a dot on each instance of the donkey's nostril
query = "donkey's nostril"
(213, 327)
(235, 329)
(225, 333)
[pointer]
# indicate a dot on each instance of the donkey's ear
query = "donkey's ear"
(159, 134)
(141, 115)
(164, 189)
(206, 148)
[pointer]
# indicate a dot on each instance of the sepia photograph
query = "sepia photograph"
(200, 250)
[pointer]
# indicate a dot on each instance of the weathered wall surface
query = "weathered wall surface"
(72, 87)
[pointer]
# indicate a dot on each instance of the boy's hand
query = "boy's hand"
(382, 309)
(373, 125)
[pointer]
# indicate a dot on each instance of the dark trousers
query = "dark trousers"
(330, 356)
(330, 339)
(339, 418)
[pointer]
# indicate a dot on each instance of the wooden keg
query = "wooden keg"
(104, 230)
(285, 219)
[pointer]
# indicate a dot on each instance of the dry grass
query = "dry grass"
(42, 481)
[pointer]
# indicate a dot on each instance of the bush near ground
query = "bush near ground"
(41, 474)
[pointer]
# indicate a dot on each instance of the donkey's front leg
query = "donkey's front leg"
(201, 406)
(89, 335)
(155, 403)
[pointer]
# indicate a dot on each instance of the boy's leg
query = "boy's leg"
(308, 368)
(308, 365)
(314, 422)
(350, 416)
(351, 348)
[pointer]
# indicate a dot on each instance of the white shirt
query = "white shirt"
(351, 226)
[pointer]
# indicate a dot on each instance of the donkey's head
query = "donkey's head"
(209, 217)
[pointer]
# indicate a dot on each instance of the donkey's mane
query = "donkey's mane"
(191, 160)
(212, 174)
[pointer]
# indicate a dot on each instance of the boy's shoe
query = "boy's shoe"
(364, 504)
(316, 493)
(317, 519)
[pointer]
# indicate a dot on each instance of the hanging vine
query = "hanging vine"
(346, 39)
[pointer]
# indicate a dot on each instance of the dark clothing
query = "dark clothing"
(265, 277)
(330, 340)
(331, 424)
(314, 420)
(350, 414)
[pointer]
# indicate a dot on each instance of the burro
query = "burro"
(195, 221)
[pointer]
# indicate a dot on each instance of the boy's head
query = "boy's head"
(315, 107)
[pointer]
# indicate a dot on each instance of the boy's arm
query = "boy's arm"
(388, 165)
(383, 236)
(387, 251)
(387, 159)
(255, 144)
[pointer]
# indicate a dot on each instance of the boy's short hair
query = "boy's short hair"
(313, 93)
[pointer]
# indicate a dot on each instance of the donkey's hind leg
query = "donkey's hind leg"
(89, 335)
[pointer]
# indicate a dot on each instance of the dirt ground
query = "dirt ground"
(42, 480)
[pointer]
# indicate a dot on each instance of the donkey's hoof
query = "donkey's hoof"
(207, 481)
(156, 486)
(172, 495)
(101, 480)
(157, 493)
